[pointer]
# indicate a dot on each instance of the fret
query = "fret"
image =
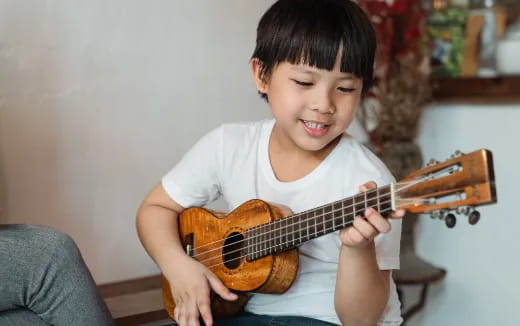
(365, 203)
(337, 214)
(264, 241)
(329, 215)
(307, 224)
(288, 232)
(378, 202)
(283, 231)
(273, 229)
(323, 220)
(255, 242)
(354, 207)
(291, 231)
(343, 215)
(311, 232)
(248, 244)
(259, 240)
(300, 229)
(294, 231)
(315, 223)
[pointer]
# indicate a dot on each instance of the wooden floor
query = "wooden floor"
(136, 302)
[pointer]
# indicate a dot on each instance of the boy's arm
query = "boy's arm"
(361, 288)
(156, 224)
(189, 280)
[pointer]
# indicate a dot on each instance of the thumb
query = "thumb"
(219, 288)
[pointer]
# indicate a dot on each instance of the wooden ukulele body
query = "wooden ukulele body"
(209, 236)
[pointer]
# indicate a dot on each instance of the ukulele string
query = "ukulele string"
(279, 221)
(274, 223)
(278, 237)
(404, 185)
(229, 260)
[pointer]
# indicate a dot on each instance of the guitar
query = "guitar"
(254, 248)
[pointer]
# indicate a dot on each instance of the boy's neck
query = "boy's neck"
(290, 162)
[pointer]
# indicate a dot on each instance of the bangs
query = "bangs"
(314, 32)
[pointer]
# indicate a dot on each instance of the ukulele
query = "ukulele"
(254, 248)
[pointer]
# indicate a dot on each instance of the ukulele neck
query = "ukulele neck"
(290, 232)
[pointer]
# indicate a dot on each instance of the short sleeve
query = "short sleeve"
(195, 180)
(388, 244)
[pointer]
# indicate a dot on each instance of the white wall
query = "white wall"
(99, 98)
(481, 287)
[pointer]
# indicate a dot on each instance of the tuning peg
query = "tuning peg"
(457, 154)
(462, 210)
(474, 217)
(435, 214)
(450, 220)
(432, 162)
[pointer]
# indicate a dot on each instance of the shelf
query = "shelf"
(504, 89)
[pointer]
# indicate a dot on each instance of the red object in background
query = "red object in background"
(399, 28)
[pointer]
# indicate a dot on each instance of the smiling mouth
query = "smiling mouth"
(315, 125)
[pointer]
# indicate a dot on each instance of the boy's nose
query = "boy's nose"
(324, 104)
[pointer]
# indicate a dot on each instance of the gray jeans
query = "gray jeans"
(44, 281)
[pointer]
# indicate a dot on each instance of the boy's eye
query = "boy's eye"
(346, 89)
(302, 83)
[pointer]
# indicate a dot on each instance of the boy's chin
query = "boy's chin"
(316, 145)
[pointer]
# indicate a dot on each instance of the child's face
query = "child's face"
(311, 106)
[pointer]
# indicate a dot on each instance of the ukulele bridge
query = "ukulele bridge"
(188, 244)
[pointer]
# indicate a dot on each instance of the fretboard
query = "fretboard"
(291, 231)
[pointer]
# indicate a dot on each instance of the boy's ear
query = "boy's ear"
(258, 77)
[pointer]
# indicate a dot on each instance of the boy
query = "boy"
(312, 63)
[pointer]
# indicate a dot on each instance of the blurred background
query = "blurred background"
(99, 99)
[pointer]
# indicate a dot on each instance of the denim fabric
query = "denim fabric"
(248, 319)
(44, 281)
(263, 320)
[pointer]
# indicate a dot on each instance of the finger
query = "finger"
(220, 289)
(181, 317)
(398, 214)
(176, 313)
(367, 186)
(356, 236)
(377, 221)
(205, 310)
(367, 230)
(192, 313)
(345, 237)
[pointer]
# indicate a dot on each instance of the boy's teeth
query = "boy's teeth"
(314, 125)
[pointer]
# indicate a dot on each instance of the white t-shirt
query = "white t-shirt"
(233, 161)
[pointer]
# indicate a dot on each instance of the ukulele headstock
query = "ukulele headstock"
(458, 185)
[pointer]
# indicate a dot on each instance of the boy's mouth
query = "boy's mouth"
(315, 128)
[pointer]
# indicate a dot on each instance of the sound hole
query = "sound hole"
(233, 250)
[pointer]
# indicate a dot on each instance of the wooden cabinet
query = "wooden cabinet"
(502, 89)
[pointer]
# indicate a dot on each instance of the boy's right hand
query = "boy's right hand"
(190, 287)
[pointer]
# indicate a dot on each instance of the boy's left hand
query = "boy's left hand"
(364, 229)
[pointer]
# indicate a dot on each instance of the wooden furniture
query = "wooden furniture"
(475, 90)
(415, 272)
(135, 302)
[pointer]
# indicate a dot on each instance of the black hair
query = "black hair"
(311, 32)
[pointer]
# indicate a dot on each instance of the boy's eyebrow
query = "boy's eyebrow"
(305, 70)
